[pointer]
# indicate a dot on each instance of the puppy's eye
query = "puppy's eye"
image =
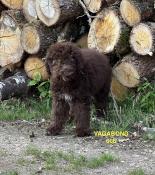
(72, 60)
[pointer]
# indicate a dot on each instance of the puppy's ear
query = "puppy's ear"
(79, 59)
(49, 60)
(48, 68)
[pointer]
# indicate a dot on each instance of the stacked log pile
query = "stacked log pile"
(123, 29)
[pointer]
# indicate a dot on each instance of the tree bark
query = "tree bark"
(52, 12)
(133, 69)
(96, 6)
(15, 86)
(135, 11)
(2, 7)
(16, 15)
(36, 37)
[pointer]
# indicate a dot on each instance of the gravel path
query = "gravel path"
(15, 139)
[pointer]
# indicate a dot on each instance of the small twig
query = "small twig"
(99, 17)
(86, 11)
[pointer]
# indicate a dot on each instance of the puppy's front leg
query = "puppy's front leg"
(82, 118)
(60, 113)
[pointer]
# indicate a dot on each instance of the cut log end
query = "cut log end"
(105, 31)
(48, 11)
(141, 39)
(134, 69)
(13, 4)
(130, 13)
(11, 50)
(30, 39)
(126, 74)
(29, 9)
(93, 6)
(34, 65)
(119, 91)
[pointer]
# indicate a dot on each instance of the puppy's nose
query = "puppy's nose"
(66, 67)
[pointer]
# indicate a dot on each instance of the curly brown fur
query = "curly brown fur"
(77, 77)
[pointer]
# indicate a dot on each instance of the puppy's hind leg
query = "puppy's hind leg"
(101, 100)
(60, 112)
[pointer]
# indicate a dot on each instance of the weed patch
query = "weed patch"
(27, 109)
(9, 173)
(136, 172)
(60, 161)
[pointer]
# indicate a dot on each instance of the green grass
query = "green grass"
(27, 109)
(9, 173)
(149, 136)
(136, 172)
(133, 109)
(101, 160)
(61, 161)
(137, 107)
(25, 162)
(3, 153)
(129, 112)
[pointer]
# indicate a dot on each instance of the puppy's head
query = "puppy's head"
(61, 61)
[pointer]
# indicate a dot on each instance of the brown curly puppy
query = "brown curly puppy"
(77, 77)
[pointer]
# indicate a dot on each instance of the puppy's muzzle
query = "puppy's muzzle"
(67, 73)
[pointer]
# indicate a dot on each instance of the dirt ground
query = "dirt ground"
(15, 138)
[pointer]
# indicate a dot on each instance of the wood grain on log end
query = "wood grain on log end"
(142, 39)
(34, 65)
(29, 9)
(48, 11)
(93, 6)
(130, 13)
(135, 11)
(30, 39)
(52, 12)
(11, 50)
(104, 31)
(127, 74)
(133, 69)
(13, 4)
(119, 91)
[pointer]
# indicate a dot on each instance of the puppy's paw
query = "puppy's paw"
(83, 132)
(53, 131)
